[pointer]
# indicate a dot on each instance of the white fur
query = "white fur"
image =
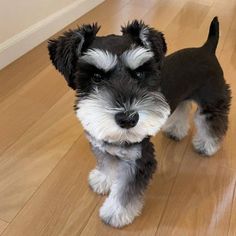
(136, 57)
(80, 45)
(143, 36)
(100, 58)
(203, 141)
(125, 153)
(96, 114)
(113, 213)
(177, 124)
(99, 182)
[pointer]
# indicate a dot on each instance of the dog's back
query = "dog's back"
(186, 70)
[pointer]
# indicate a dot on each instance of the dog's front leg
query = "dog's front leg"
(125, 200)
(100, 178)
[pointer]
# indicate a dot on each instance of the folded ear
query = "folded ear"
(65, 50)
(146, 36)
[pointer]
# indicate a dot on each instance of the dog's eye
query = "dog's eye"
(140, 75)
(97, 78)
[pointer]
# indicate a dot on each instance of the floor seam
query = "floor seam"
(232, 205)
(172, 186)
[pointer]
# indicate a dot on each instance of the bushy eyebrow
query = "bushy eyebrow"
(100, 58)
(136, 57)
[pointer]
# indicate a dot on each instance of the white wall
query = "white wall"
(17, 15)
(26, 23)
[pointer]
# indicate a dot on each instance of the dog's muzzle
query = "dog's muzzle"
(127, 120)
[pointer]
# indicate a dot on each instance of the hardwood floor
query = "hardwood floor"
(45, 158)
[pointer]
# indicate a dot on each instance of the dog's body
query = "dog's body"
(125, 92)
(194, 74)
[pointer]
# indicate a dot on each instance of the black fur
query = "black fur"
(65, 51)
(155, 38)
(213, 36)
(145, 166)
(195, 74)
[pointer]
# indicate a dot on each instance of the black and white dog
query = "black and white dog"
(125, 92)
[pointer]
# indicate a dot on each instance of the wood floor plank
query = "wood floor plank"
(23, 70)
(181, 33)
(200, 202)
(25, 165)
(112, 23)
(3, 226)
(64, 202)
(163, 13)
(232, 225)
(28, 104)
(228, 61)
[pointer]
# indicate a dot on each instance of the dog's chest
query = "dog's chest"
(131, 152)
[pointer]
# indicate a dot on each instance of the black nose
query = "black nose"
(127, 120)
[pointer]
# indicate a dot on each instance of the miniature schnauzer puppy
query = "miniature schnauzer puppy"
(119, 103)
(125, 92)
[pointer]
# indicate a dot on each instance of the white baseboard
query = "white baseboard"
(23, 42)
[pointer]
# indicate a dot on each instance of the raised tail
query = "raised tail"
(213, 36)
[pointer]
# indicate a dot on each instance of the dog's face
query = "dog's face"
(116, 79)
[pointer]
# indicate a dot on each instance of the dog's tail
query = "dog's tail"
(213, 35)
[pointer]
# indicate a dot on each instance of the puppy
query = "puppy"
(119, 103)
(125, 92)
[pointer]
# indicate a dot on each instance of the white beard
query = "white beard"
(97, 115)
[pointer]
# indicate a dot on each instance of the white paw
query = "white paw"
(99, 182)
(116, 215)
(176, 131)
(206, 147)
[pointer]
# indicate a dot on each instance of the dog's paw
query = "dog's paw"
(99, 182)
(116, 215)
(175, 133)
(205, 147)
(172, 136)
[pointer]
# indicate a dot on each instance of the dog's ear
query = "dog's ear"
(146, 36)
(65, 50)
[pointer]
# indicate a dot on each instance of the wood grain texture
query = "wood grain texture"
(25, 164)
(30, 102)
(200, 201)
(45, 158)
(3, 226)
(63, 204)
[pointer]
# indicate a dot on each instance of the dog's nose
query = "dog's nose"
(127, 120)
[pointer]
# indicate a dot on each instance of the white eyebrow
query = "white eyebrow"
(100, 58)
(136, 57)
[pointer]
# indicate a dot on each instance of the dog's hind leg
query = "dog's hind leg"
(177, 125)
(211, 120)
(125, 200)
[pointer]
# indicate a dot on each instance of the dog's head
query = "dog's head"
(116, 78)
